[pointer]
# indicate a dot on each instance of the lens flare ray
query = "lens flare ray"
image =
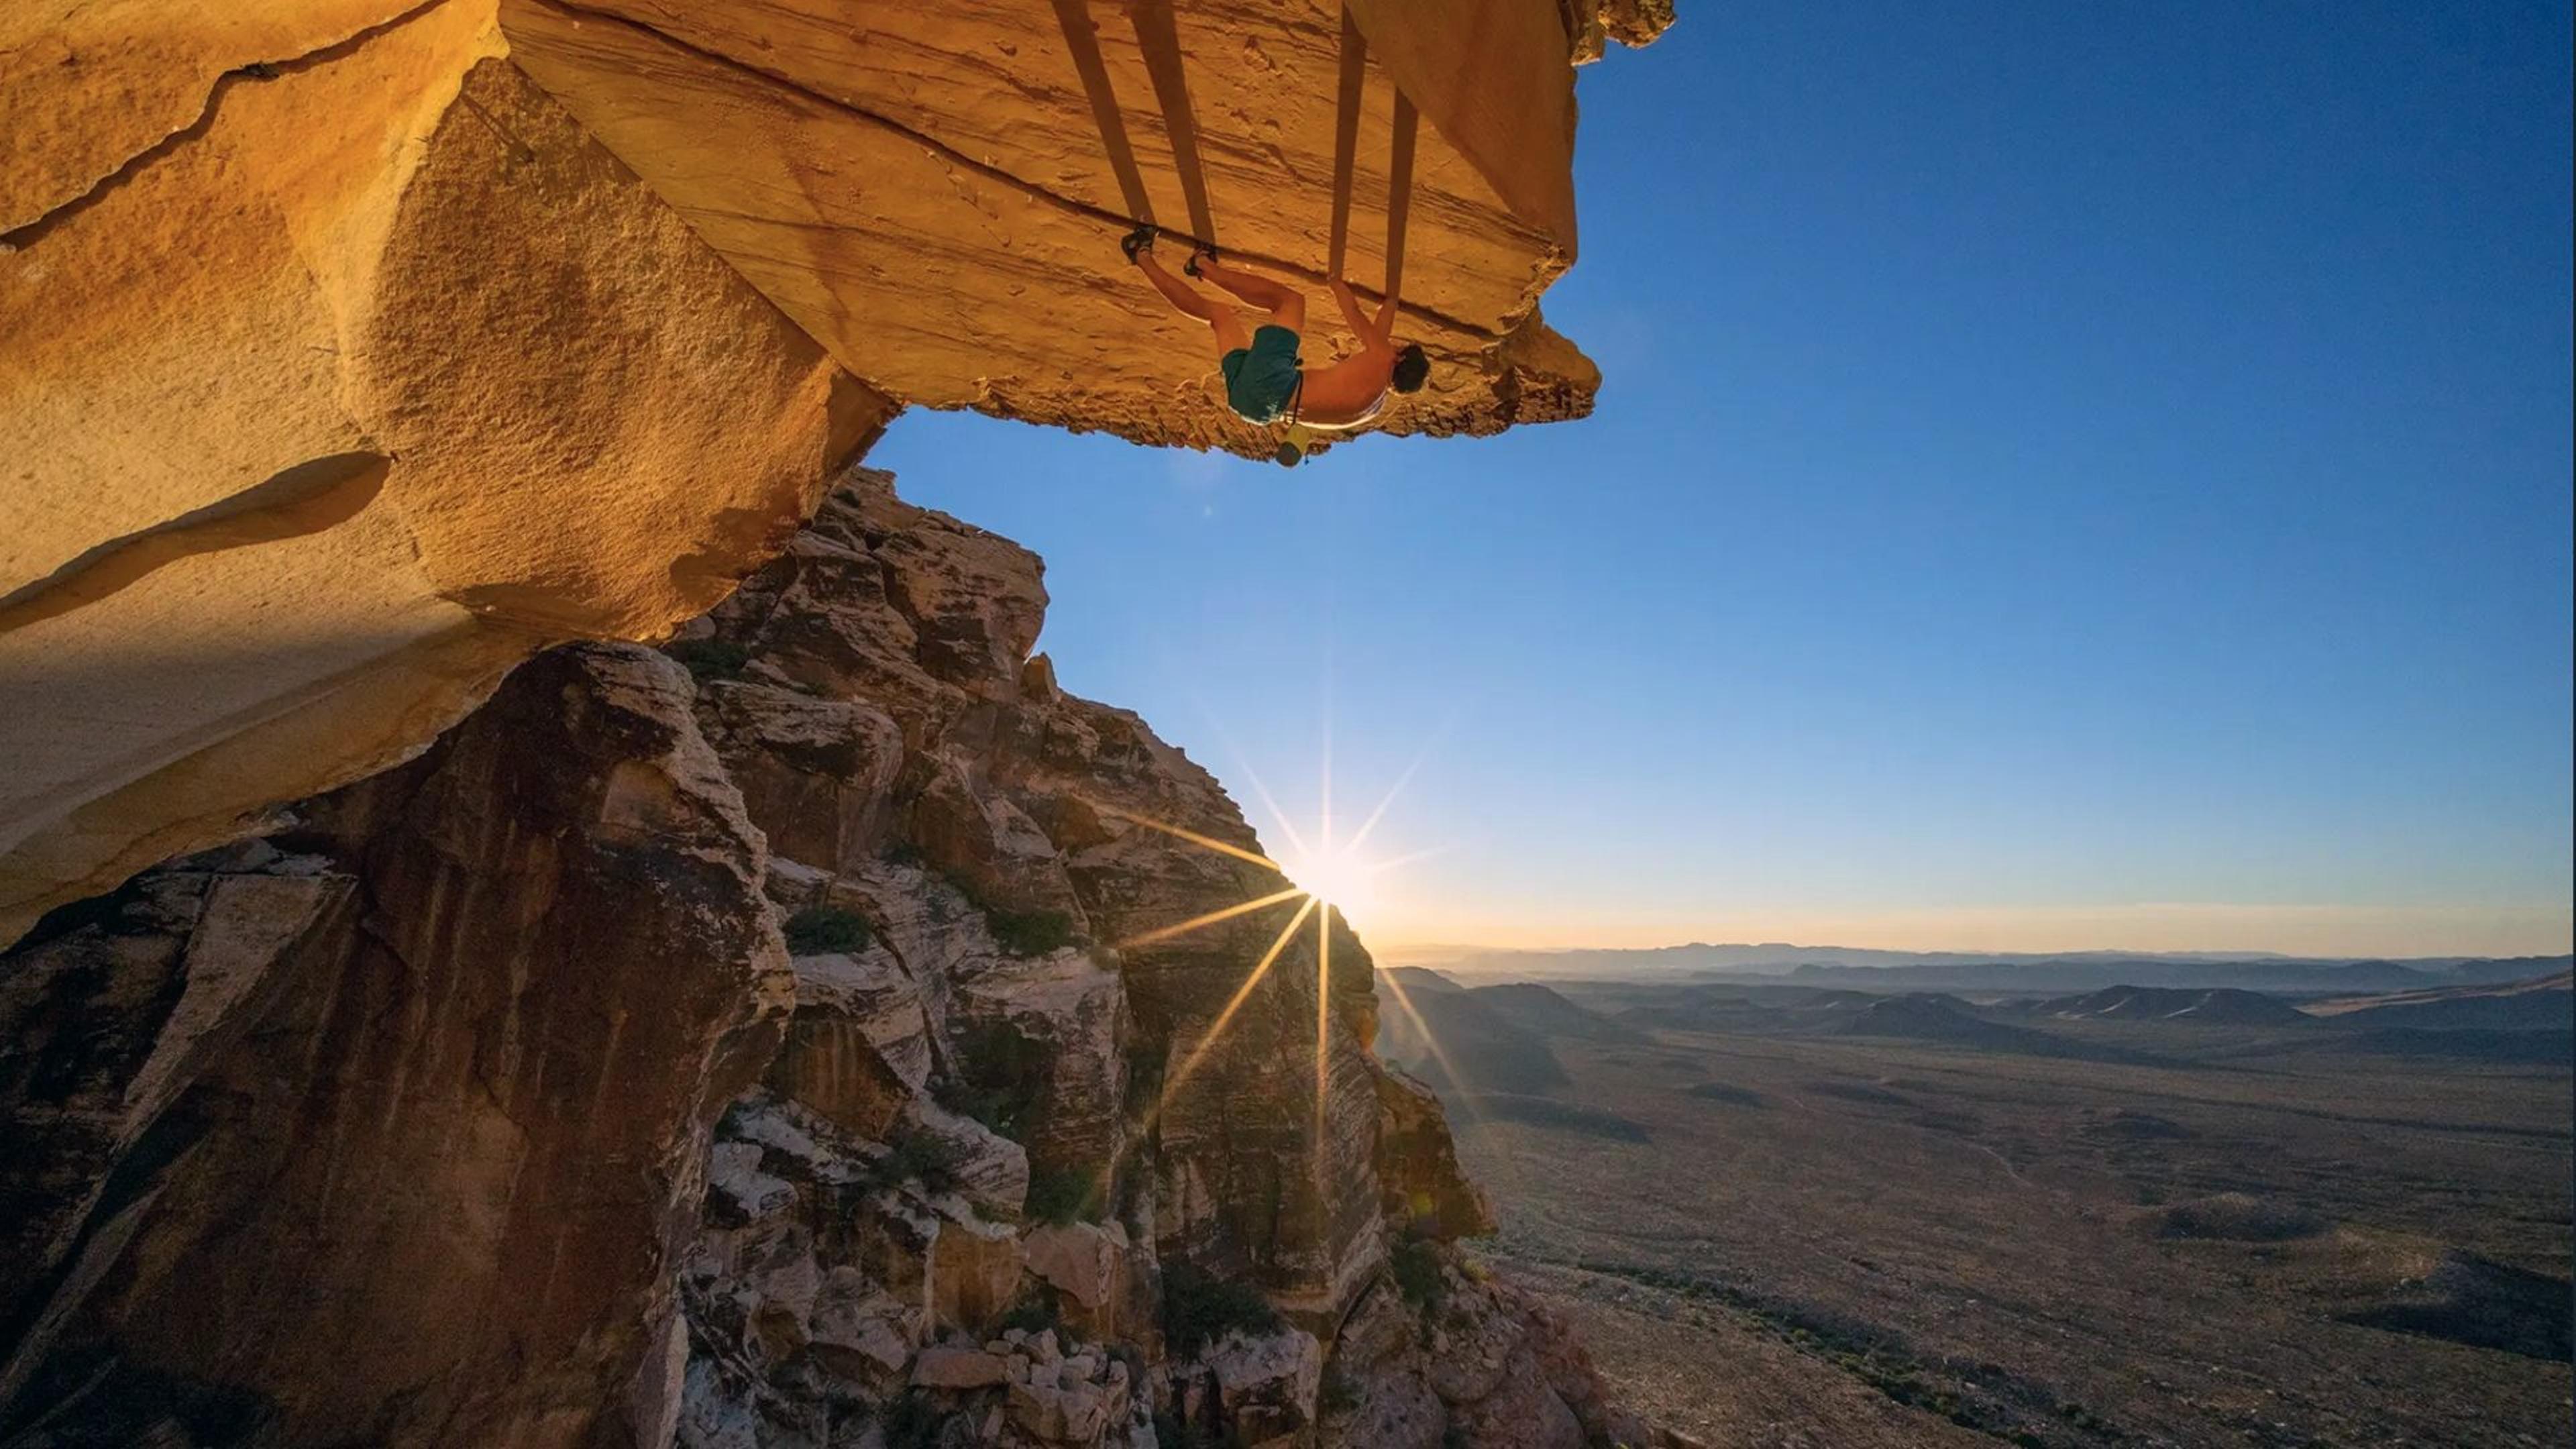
(1193, 837)
(1243, 908)
(1243, 993)
(1322, 878)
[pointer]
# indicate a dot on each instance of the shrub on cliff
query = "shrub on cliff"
(1061, 1197)
(1030, 933)
(997, 1074)
(817, 930)
(1037, 1311)
(1416, 1265)
(709, 659)
(914, 1157)
(1200, 1308)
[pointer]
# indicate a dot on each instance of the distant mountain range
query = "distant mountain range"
(1478, 1041)
(2068, 972)
(2218, 1006)
(1485, 1039)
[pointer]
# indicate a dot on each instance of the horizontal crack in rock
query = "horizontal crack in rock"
(30, 232)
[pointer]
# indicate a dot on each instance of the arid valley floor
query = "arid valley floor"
(1794, 1216)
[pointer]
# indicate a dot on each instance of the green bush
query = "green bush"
(1338, 1395)
(1200, 1308)
(1037, 1312)
(910, 1422)
(1030, 933)
(818, 929)
(1061, 1197)
(709, 659)
(1417, 1275)
(920, 1157)
(998, 1072)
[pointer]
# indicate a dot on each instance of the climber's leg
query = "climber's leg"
(1286, 305)
(1186, 299)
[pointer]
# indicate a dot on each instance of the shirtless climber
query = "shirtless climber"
(1263, 379)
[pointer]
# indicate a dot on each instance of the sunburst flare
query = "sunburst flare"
(1323, 878)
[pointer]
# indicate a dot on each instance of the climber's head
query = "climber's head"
(1411, 368)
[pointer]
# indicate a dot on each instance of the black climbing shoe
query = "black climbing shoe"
(1139, 240)
(1201, 250)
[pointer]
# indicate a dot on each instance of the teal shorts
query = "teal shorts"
(1261, 379)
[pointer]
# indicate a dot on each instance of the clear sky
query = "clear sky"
(2068, 476)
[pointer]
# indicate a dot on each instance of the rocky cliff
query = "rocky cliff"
(357, 349)
(781, 1039)
(790, 1048)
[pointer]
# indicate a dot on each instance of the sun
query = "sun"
(1339, 879)
(1319, 876)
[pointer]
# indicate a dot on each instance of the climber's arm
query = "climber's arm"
(1352, 312)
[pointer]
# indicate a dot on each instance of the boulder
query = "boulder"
(828, 1063)
(1266, 1384)
(862, 1334)
(1080, 1261)
(815, 774)
(958, 1368)
(974, 1272)
(989, 1173)
(871, 989)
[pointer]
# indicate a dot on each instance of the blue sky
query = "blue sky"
(2068, 476)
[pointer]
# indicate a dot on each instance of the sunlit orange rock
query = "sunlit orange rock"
(356, 348)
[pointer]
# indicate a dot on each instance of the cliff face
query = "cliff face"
(481, 1102)
(390, 1128)
(359, 348)
(322, 411)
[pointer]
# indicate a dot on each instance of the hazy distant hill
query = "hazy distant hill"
(1495, 1037)
(1538, 1009)
(2218, 1006)
(1471, 1047)
(1935, 1018)
(2013, 972)
(1419, 978)
(2542, 1003)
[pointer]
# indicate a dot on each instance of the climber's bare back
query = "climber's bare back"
(1351, 390)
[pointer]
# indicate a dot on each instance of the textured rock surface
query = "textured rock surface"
(996, 865)
(924, 188)
(349, 364)
(393, 1136)
(316, 416)
(397, 1124)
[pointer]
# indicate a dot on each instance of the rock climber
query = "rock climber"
(1264, 380)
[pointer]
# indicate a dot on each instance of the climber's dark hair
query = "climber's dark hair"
(1411, 368)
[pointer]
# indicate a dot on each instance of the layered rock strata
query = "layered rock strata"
(746, 1059)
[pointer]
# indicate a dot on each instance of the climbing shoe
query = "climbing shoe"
(1139, 240)
(1196, 253)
